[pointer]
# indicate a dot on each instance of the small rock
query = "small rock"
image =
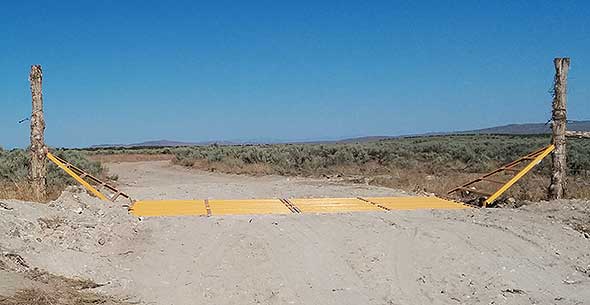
(5, 206)
(78, 211)
(570, 282)
(514, 291)
(15, 233)
(101, 241)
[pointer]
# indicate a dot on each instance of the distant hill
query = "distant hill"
(168, 143)
(162, 143)
(532, 128)
(511, 129)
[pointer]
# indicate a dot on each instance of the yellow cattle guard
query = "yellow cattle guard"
(272, 206)
(333, 205)
(277, 206)
(249, 206)
(414, 203)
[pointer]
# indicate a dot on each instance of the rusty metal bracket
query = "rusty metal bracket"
(79, 175)
(535, 158)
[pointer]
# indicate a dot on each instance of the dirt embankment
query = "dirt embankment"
(529, 255)
(48, 251)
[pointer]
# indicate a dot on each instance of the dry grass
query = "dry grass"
(532, 187)
(422, 164)
(23, 191)
(56, 296)
(114, 158)
(15, 168)
(234, 166)
(49, 289)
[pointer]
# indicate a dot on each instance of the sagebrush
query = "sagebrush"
(424, 164)
(15, 166)
(429, 164)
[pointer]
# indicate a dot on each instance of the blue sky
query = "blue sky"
(129, 71)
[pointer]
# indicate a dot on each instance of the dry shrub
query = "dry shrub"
(583, 227)
(532, 187)
(14, 173)
(58, 281)
(420, 164)
(422, 182)
(49, 296)
(234, 166)
(23, 191)
(30, 297)
(132, 157)
(420, 178)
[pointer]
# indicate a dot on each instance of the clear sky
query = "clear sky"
(130, 71)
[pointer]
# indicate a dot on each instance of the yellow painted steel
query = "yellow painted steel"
(76, 177)
(168, 208)
(414, 203)
(520, 174)
(275, 206)
(333, 205)
(248, 206)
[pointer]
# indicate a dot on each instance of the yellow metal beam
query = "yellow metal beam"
(248, 206)
(169, 208)
(76, 177)
(507, 167)
(275, 206)
(414, 203)
(520, 174)
(333, 205)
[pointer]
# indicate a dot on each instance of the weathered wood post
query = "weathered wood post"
(558, 175)
(38, 149)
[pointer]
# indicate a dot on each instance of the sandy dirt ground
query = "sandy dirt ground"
(161, 180)
(529, 255)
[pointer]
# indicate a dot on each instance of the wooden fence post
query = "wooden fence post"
(559, 126)
(38, 149)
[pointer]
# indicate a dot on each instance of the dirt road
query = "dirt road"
(161, 180)
(529, 255)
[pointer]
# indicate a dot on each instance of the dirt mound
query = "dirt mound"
(74, 222)
(63, 237)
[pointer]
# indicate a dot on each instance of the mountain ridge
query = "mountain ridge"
(508, 129)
